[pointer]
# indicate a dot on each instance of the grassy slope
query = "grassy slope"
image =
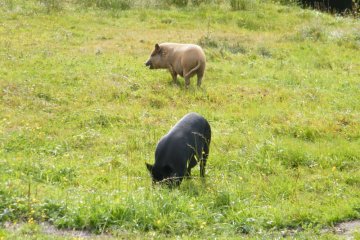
(80, 115)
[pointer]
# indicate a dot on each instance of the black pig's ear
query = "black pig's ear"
(157, 47)
(149, 167)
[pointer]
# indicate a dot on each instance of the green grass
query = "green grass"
(80, 114)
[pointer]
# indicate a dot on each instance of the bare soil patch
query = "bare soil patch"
(345, 229)
(348, 229)
(48, 229)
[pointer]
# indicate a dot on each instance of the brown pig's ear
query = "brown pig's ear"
(157, 47)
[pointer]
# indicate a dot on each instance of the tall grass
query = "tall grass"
(107, 4)
(52, 5)
(242, 4)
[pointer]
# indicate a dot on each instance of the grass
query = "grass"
(80, 115)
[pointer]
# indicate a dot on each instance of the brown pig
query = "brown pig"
(183, 59)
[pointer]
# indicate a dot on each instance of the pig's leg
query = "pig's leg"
(173, 74)
(174, 77)
(205, 155)
(199, 79)
(188, 173)
(187, 78)
(187, 82)
(192, 162)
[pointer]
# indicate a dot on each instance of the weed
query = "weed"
(178, 3)
(199, 2)
(237, 5)
(249, 23)
(264, 52)
(207, 41)
(52, 5)
(312, 33)
(107, 4)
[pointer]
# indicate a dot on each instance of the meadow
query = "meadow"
(80, 115)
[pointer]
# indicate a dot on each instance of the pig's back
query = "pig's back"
(179, 144)
(184, 48)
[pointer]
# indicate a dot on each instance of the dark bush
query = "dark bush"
(336, 6)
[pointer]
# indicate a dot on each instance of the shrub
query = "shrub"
(107, 4)
(237, 5)
(207, 41)
(198, 2)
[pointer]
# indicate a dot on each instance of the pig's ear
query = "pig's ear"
(149, 167)
(157, 47)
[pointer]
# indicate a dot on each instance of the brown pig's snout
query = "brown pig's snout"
(148, 63)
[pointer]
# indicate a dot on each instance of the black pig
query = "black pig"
(186, 144)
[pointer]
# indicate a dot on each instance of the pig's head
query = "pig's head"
(157, 58)
(163, 175)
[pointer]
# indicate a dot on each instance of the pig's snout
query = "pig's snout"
(148, 63)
